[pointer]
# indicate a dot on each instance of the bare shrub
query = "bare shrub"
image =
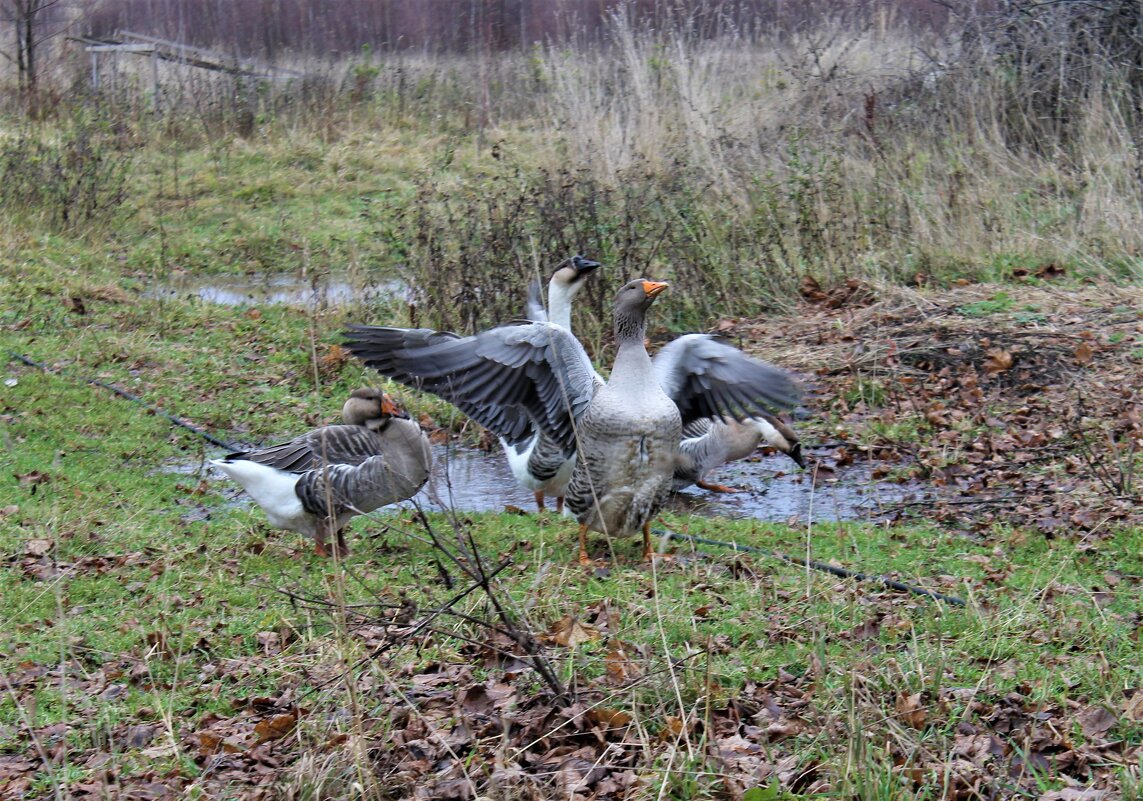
(1054, 58)
(74, 177)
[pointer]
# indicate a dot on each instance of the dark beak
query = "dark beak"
(796, 455)
(583, 266)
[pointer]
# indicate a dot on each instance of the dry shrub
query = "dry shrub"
(72, 176)
(737, 159)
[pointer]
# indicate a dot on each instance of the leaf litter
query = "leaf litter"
(1027, 423)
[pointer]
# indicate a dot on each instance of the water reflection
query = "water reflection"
(470, 480)
(255, 289)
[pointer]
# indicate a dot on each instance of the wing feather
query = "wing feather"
(338, 444)
(506, 378)
(709, 378)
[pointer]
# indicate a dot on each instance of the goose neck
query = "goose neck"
(559, 305)
(630, 329)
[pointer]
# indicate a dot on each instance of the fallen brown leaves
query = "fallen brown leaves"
(1030, 418)
(480, 725)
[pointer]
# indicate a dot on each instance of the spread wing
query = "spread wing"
(709, 378)
(507, 378)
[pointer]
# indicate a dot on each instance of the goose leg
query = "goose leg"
(539, 500)
(342, 548)
(319, 543)
(559, 504)
(706, 485)
(648, 554)
(584, 559)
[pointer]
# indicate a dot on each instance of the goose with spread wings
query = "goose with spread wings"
(709, 442)
(537, 461)
(625, 432)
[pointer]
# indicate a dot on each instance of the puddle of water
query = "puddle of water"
(285, 290)
(470, 480)
(847, 493)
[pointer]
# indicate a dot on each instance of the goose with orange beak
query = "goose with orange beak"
(624, 432)
(316, 483)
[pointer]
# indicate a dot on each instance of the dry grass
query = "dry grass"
(850, 148)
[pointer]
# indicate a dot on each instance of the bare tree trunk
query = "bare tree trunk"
(21, 67)
(23, 16)
(30, 8)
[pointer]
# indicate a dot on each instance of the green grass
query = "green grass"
(155, 590)
(997, 304)
(158, 575)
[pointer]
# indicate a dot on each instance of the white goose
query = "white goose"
(625, 433)
(538, 462)
(315, 484)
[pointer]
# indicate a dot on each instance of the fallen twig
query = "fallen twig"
(127, 396)
(822, 566)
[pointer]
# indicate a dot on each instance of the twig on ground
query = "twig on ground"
(822, 566)
(1007, 500)
(127, 396)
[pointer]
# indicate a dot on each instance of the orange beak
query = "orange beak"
(390, 409)
(654, 288)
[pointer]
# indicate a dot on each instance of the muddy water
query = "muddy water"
(286, 290)
(469, 480)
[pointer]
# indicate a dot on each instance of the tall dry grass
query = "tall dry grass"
(738, 165)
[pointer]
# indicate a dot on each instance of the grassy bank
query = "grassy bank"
(957, 294)
(738, 167)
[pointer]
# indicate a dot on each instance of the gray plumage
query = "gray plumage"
(508, 378)
(626, 433)
(539, 462)
(316, 483)
(709, 378)
(693, 362)
(709, 443)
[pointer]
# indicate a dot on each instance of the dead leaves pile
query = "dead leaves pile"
(1029, 418)
(482, 725)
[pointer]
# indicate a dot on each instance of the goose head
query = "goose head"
(371, 408)
(565, 283)
(631, 304)
(571, 274)
(779, 436)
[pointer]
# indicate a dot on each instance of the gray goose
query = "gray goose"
(538, 462)
(710, 442)
(315, 484)
(625, 433)
(707, 442)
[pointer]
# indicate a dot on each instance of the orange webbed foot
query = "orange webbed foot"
(707, 485)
